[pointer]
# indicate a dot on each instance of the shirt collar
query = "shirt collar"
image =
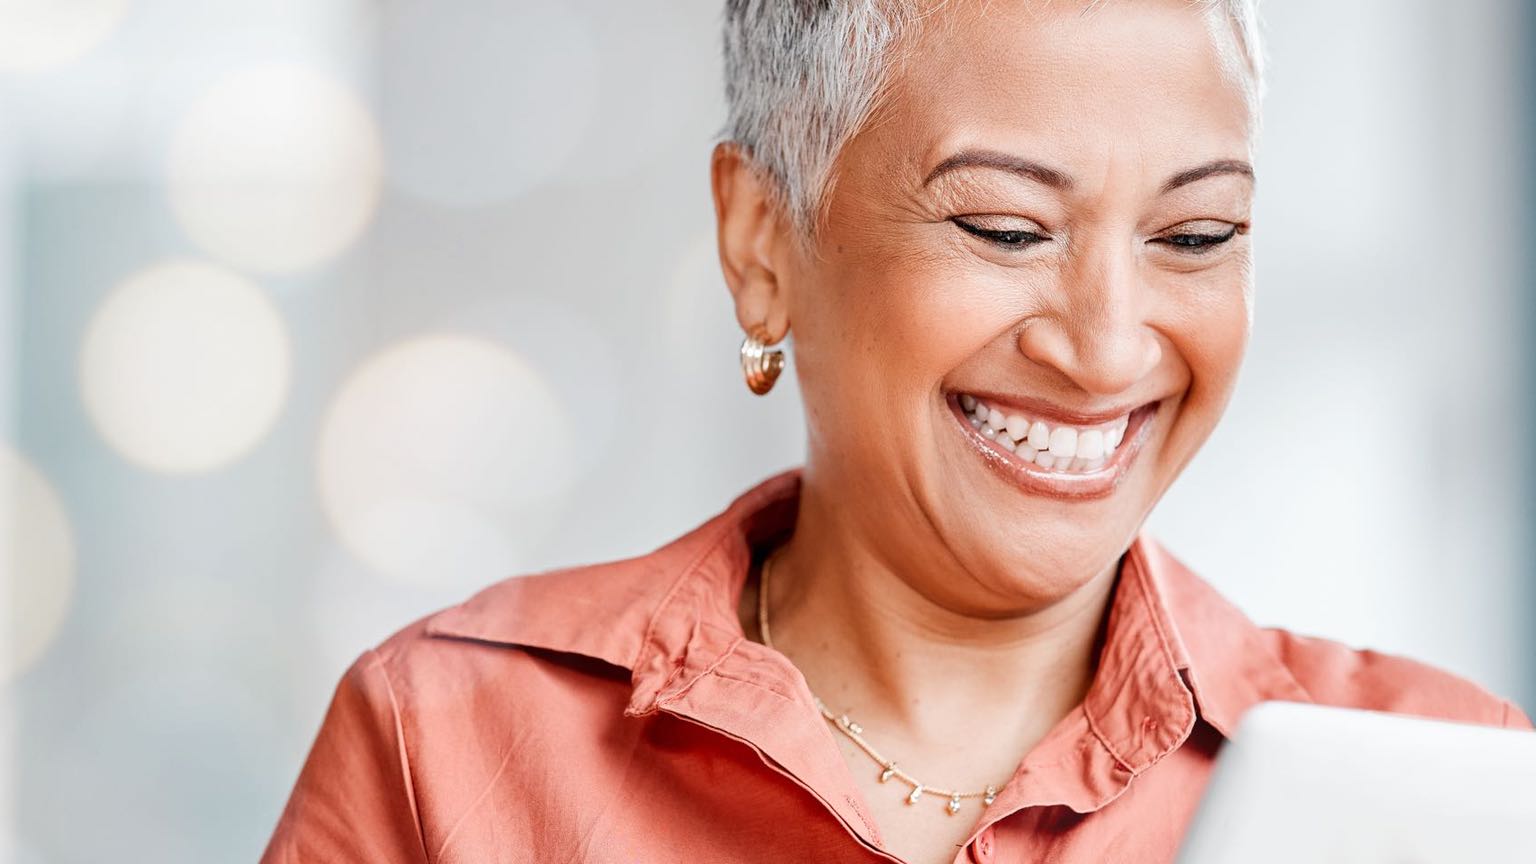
(1174, 649)
(1230, 662)
(646, 614)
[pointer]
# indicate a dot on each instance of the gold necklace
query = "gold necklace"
(845, 724)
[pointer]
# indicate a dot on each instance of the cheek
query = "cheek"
(896, 324)
(1211, 335)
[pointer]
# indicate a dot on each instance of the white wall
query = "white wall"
(1367, 481)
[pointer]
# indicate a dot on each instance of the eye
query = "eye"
(1196, 243)
(1007, 238)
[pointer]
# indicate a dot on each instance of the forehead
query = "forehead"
(1073, 80)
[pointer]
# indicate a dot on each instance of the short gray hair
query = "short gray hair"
(803, 76)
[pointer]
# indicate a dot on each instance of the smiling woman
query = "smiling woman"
(1011, 241)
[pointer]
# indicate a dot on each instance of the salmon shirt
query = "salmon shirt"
(617, 712)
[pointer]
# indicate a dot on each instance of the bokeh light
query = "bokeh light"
(37, 35)
(185, 367)
(37, 563)
(439, 457)
(485, 98)
(276, 169)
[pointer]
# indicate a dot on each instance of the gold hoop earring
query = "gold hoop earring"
(760, 366)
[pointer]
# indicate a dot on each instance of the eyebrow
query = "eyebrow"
(1001, 162)
(1058, 180)
(1211, 169)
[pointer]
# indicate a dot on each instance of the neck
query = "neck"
(870, 643)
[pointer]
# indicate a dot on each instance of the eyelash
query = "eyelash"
(1005, 239)
(1189, 244)
(1197, 244)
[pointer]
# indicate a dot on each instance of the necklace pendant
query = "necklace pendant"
(917, 792)
(990, 796)
(954, 804)
(889, 772)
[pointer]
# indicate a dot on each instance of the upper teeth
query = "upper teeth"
(1059, 447)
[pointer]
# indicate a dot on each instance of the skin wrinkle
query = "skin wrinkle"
(948, 609)
(1225, 31)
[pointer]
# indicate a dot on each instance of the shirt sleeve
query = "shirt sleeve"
(354, 800)
(1514, 718)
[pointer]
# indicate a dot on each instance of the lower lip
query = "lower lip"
(1037, 481)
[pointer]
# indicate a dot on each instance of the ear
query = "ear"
(751, 232)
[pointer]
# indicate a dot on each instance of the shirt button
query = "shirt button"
(982, 847)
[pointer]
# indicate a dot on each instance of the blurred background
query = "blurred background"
(318, 315)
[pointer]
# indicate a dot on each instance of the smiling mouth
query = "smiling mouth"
(1045, 455)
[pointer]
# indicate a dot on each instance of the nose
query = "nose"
(1095, 330)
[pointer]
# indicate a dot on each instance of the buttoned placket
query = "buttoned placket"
(789, 735)
(699, 666)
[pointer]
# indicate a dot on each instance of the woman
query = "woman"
(1012, 242)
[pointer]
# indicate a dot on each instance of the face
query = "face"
(1031, 295)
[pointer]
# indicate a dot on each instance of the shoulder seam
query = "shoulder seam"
(1270, 647)
(405, 758)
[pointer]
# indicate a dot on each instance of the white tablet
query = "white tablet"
(1303, 783)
